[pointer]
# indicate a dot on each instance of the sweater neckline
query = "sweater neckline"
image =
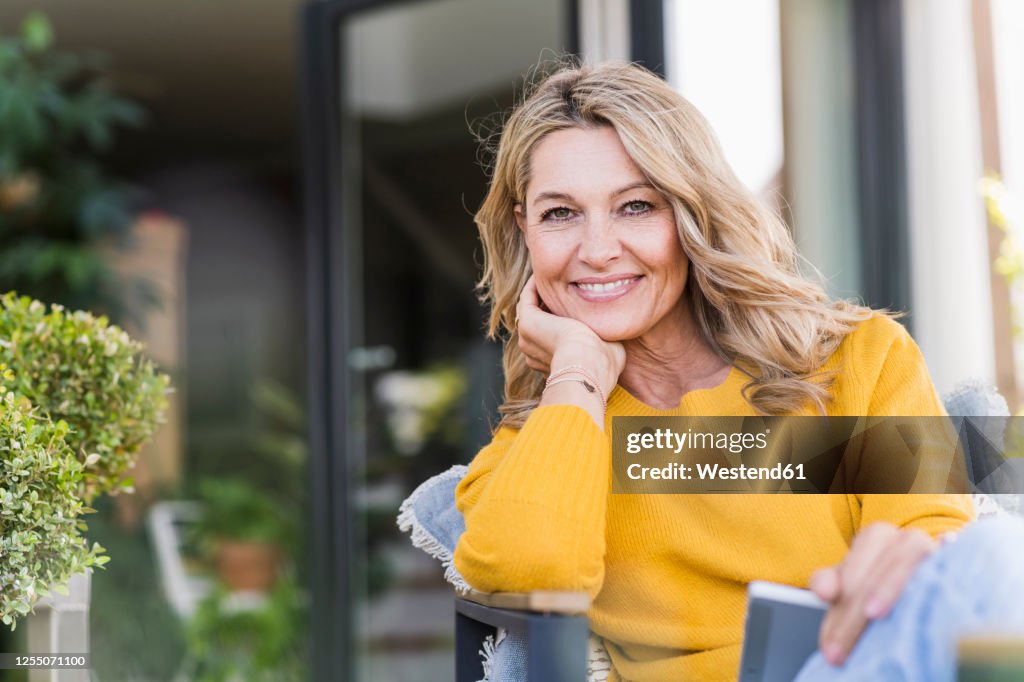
(725, 398)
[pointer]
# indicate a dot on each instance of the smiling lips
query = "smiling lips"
(600, 289)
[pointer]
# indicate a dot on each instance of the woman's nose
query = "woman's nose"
(600, 244)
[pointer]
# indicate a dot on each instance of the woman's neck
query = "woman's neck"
(666, 364)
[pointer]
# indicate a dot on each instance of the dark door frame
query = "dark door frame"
(647, 34)
(882, 154)
(330, 533)
(331, 538)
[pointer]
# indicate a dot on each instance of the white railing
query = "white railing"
(60, 625)
(182, 591)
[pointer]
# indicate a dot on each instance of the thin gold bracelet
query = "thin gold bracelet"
(587, 384)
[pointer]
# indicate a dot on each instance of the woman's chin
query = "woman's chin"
(611, 332)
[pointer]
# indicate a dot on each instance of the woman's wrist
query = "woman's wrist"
(575, 393)
(575, 390)
(590, 365)
(580, 375)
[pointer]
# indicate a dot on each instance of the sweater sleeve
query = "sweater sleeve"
(534, 502)
(902, 387)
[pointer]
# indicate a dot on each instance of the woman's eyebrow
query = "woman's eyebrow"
(544, 196)
(562, 196)
(629, 188)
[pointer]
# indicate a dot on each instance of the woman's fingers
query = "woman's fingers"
(913, 548)
(535, 353)
(536, 363)
(527, 325)
(540, 332)
(528, 308)
(536, 357)
(529, 298)
(867, 583)
(544, 335)
(825, 584)
(857, 574)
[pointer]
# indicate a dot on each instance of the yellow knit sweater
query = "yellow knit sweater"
(668, 573)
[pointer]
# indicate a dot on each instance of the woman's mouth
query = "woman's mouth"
(600, 291)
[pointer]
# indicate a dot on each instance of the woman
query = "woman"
(635, 275)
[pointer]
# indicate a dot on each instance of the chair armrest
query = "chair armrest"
(566, 603)
(553, 624)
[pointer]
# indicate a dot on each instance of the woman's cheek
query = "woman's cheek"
(549, 256)
(549, 300)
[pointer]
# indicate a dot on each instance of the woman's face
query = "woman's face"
(603, 242)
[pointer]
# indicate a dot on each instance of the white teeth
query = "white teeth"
(607, 286)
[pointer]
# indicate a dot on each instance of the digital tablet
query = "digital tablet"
(781, 631)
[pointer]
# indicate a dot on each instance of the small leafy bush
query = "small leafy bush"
(78, 368)
(234, 509)
(41, 545)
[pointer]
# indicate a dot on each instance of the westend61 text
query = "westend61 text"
(714, 472)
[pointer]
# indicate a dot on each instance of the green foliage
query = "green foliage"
(58, 115)
(421, 406)
(259, 492)
(1009, 264)
(262, 502)
(1010, 261)
(134, 633)
(41, 544)
(80, 369)
(253, 644)
(233, 508)
(278, 403)
(280, 441)
(37, 32)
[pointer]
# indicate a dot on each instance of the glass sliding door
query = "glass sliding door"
(405, 383)
(776, 80)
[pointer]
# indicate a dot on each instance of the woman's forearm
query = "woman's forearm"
(539, 522)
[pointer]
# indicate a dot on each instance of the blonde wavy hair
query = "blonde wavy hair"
(752, 305)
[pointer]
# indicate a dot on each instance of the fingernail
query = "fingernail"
(833, 654)
(874, 608)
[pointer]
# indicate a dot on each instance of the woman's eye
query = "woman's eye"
(558, 213)
(636, 207)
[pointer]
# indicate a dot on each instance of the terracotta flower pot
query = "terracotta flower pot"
(247, 564)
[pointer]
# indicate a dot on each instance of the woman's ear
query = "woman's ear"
(520, 217)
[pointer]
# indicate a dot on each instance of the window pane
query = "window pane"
(425, 382)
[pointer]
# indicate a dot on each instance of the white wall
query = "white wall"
(1008, 49)
(951, 307)
(1007, 29)
(732, 72)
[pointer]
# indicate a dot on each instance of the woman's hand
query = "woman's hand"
(866, 584)
(548, 340)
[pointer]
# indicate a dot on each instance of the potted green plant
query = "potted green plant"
(254, 642)
(243, 531)
(41, 541)
(91, 380)
(77, 367)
